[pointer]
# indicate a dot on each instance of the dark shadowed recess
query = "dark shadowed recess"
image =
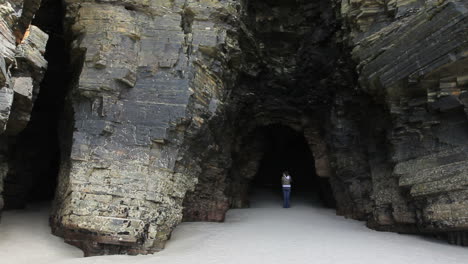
(283, 88)
(35, 153)
(284, 149)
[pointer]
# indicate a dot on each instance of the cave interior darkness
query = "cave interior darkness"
(285, 149)
(35, 152)
(295, 63)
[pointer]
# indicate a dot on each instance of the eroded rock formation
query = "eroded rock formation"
(143, 92)
(171, 107)
(413, 63)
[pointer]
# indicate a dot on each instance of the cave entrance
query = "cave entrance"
(34, 164)
(34, 153)
(285, 149)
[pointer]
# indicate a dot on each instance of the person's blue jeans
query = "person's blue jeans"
(286, 195)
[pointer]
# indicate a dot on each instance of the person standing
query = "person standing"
(286, 181)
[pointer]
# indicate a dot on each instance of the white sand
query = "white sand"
(265, 233)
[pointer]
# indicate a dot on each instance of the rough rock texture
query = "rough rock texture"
(173, 106)
(396, 128)
(22, 67)
(171, 93)
(280, 77)
(144, 88)
(411, 60)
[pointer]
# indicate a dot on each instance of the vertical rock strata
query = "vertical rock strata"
(145, 86)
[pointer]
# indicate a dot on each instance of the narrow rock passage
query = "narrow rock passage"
(265, 233)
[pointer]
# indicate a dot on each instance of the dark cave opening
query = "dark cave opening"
(34, 154)
(285, 149)
(283, 78)
(289, 85)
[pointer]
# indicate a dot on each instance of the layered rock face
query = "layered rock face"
(22, 68)
(173, 106)
(159, 103)
(411, 59)
(145, 85)
(285, 78)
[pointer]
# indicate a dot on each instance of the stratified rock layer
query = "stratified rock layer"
(144, 88)
(413, 63)
(170, 102)
(170, 93)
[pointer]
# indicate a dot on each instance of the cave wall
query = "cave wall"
(390, 103)
(163, 121)
(161, 93)
(281, 77)
(411, 61)
(165, 97)
(22, 68)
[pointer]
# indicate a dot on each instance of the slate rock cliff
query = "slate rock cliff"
(412, 59)
(144, 89)
(169, 104)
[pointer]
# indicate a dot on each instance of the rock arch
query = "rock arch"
(164, 94)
